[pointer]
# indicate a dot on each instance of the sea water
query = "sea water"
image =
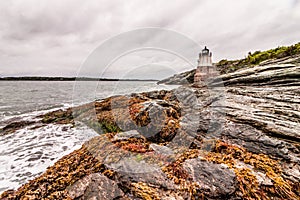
(27, 152)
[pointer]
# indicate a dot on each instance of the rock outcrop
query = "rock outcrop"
(180, 79)
(213, 180)
(235, 139)
(187, 77)
(95, 186)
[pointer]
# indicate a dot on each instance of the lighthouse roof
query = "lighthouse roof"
(205, 50)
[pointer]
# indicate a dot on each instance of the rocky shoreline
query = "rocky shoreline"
(235, 139)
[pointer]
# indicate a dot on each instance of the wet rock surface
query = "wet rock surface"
(95, 186)
(213, 180)
(236, 139)
(127, 135)
(12, 127)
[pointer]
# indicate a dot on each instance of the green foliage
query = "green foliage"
(103, 127)
(223, 62)
(139, 157)
(276, 53)
(227, 66)
(109, 127)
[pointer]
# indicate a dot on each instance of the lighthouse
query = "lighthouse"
(205, 68)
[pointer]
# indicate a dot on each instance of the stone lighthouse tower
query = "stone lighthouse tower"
(205, 68)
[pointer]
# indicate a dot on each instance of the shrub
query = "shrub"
(227, 66)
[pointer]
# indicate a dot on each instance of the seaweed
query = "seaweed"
(53, 183)
(229, 154)
(109, 127)
(133, 145)
(144, 191)
(175, 170)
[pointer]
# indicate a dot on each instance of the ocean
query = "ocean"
(27, 153)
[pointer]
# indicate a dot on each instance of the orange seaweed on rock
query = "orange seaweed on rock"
(233, 156)
(52, 184)
(157, 122)
(229, 154)
(134, 145)
(144, 191)
(175, 170)
(155, 118)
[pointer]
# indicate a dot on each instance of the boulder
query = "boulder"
(161, 149)
(126, 135)
(95, 186)
(213, 180)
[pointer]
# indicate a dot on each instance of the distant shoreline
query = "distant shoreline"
(27, 78)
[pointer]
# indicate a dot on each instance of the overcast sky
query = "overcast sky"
(54, 37)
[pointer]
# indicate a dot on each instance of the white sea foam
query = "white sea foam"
(27, 153)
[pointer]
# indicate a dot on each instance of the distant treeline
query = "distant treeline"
(36, 78)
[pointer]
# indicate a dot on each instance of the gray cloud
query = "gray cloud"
(53, 38)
